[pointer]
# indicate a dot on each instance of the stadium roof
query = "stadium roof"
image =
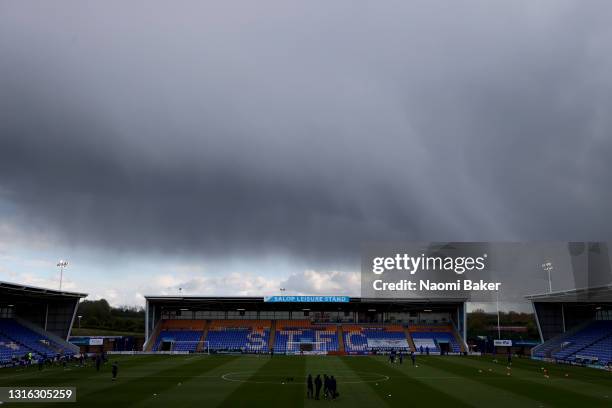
(260, 303)
(594, 294)
(255, 299)
(16, 289)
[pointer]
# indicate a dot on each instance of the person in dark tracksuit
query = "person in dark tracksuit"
(325, 385)
(333, 387)
(309, 385)
(413, 357)
(98, 362)
(115, 370)
(318, 383)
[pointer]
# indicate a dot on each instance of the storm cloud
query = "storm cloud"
(305, 128)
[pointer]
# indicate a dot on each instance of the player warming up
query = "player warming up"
(115, 370)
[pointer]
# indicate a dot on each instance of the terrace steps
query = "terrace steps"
(459, 340)
(409, 338)
(200, 347)
(153, 337)
(340, 339)
(272, 335)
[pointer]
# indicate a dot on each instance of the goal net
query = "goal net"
(306, 347)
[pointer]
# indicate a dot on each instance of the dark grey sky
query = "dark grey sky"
(305, 128)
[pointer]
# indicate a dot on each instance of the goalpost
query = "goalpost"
(306, 347)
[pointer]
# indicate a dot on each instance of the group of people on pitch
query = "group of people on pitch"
(329, 385)
(398, 357)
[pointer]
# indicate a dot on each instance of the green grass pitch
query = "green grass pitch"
(261, 381)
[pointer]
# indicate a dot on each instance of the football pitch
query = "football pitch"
(261, 381)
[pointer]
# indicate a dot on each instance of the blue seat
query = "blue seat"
(287, 340)
(432, 339)
(356, 338)
(182, 340)
(594, 341)
(17, 340)
(243, 339)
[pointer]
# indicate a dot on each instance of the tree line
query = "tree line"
(98, 314)
(481, 323)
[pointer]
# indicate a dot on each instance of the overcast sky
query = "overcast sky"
(239, 147)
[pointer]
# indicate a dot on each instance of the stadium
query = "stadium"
(303, 325)
(308, 203)
(258, 351)
(35, 320)
(575, 326)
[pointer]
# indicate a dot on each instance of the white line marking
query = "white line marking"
(279, 378)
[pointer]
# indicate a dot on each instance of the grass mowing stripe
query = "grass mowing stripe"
(256, 381)
(352, 391)
(584, 374)
(58, 376)
(130, 391)
(203, 386)
(272, 385)
(463, 388)
(353, 395)
(596, 384)
(58, 373)
(401, 389)
(540, 392)
(97, 389)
